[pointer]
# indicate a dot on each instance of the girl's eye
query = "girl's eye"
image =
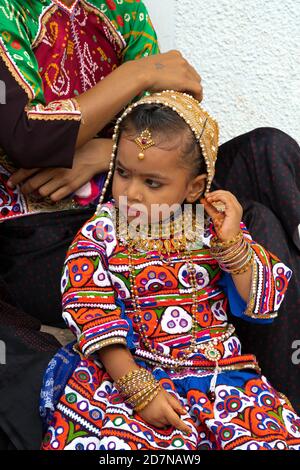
(121, 172)
(153, 184)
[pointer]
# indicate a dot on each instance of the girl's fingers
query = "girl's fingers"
(216, 216)
(177, 423)
(177, 407)
(210, 209)
(225, 197)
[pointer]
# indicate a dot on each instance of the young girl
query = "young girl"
(159, 365)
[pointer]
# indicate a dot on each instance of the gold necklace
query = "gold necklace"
(208, 348)
(172, 236)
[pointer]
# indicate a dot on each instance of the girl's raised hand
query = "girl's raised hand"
(163, 411)
(227, 223)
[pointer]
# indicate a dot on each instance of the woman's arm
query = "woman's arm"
(98, 107)
(57, 183)
(105, 100)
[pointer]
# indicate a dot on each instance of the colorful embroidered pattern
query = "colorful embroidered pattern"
(13, 203)
(248, 414)
(56, 53)
(95, 285)
(124, 25)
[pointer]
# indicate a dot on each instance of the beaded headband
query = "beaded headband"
(204, 127)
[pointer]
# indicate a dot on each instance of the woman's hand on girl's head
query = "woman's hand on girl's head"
(58, 183)
(164, 411)
(169, 70)
(226, 223)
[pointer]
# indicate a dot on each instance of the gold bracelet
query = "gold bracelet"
(146, 397)
(237, 260)
(244, 268)
(229, 252)
(217, 243)
(140, 393)
(133, 374)
(131, 387)
(148, 400)
(142, 396)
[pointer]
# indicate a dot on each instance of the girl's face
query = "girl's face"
(160, 178)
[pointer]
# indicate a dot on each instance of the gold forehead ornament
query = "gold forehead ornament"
(144, 141)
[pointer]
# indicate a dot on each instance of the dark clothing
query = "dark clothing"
(27, 352)
(262, 169)
(32, 253)
(33, 143)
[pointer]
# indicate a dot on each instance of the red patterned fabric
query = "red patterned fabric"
(75, 54)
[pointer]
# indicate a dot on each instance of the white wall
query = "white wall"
(247, 53)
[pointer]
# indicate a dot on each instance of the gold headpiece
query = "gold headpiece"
(204, 127)
(144, 141)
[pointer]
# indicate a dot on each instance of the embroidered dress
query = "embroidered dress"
(247, 413)
(50, 54)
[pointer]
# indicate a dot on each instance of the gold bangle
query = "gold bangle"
(133, 374)
(237, 260)
(216, 242)
(148, 400)
(134, 397)
(230, 252)
(243, 269)
(142, 396)
(136, 385)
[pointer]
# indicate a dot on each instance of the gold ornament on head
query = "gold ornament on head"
(144, 141)
(203, 126)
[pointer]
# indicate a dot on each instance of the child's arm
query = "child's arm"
(93, 313)
(117, 360)
(243, 283)
(164, 410)
(227, 226)
(263, 284)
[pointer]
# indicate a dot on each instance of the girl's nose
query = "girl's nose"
(134, 193)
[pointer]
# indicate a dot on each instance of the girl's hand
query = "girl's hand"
(167, 71)
(227, 223)
(163, 411)
(58, 183)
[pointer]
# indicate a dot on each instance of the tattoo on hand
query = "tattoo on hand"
(159, 66)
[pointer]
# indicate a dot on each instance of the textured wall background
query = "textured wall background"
(247, 53)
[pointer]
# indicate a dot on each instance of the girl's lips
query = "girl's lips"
(130, 211)
(133, 212)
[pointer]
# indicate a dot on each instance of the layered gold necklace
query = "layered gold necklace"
(165, 247)
(173, 235)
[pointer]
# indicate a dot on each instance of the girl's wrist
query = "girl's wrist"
(138, 388)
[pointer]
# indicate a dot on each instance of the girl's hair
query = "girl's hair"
(162, 120)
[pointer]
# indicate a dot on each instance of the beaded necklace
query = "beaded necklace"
(208, 348)
(172, 236)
